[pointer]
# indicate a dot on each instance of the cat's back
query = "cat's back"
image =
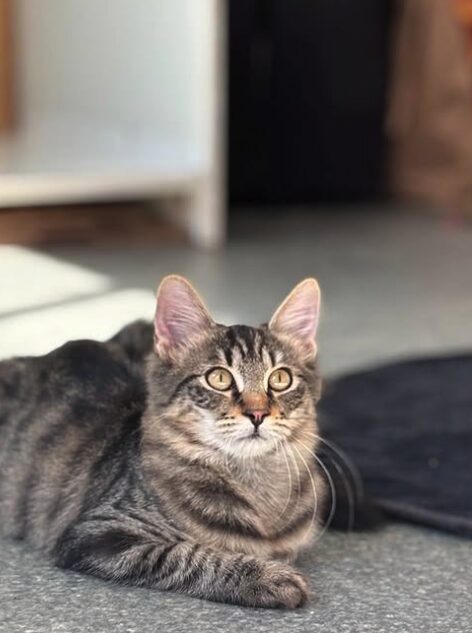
(65, 419)
(80, 377)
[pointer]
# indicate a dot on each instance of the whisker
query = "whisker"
(333, 491)
(349, 493)
(297, 470)
(289, 473)
(315, 495)
(353, 496)
(358, 483)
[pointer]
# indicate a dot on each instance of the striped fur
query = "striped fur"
(120, 463)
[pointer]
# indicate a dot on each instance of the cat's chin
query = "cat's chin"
(249, 447)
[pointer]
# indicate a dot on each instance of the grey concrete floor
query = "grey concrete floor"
(401, 580)
(394, 285)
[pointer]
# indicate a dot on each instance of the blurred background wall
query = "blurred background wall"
(203, 106)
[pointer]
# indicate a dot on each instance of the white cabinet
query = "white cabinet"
(119, 99)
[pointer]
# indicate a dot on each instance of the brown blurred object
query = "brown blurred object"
(6, 64)
(463, 10)
(99, 224)
(429, 122)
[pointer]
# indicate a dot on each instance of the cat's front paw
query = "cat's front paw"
(279, 586)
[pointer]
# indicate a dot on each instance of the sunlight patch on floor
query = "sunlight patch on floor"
(30, 279)
(43, 329)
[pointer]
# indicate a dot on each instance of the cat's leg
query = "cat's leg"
(127, 556)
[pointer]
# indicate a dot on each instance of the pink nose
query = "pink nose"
(256, 416)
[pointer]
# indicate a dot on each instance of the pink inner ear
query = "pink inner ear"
(297, 317)
(300, 322)
(180, 314)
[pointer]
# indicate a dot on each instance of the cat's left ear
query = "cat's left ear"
(297, 317)
(181, 316)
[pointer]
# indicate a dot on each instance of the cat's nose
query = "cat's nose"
(257, 416)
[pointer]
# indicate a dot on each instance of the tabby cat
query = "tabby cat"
(179, 455)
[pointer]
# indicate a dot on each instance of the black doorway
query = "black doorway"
(307, 92)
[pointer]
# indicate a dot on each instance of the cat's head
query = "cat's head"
(241, 390)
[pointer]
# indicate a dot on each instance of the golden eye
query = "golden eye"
(280, 380)
(219, 378)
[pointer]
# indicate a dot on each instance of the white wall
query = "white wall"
(141, 66)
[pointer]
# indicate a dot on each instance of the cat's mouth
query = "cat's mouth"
(254, 436)
(256, 443)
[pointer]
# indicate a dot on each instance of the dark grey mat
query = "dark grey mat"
(408, 429)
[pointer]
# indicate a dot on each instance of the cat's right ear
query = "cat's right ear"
(180, 316)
